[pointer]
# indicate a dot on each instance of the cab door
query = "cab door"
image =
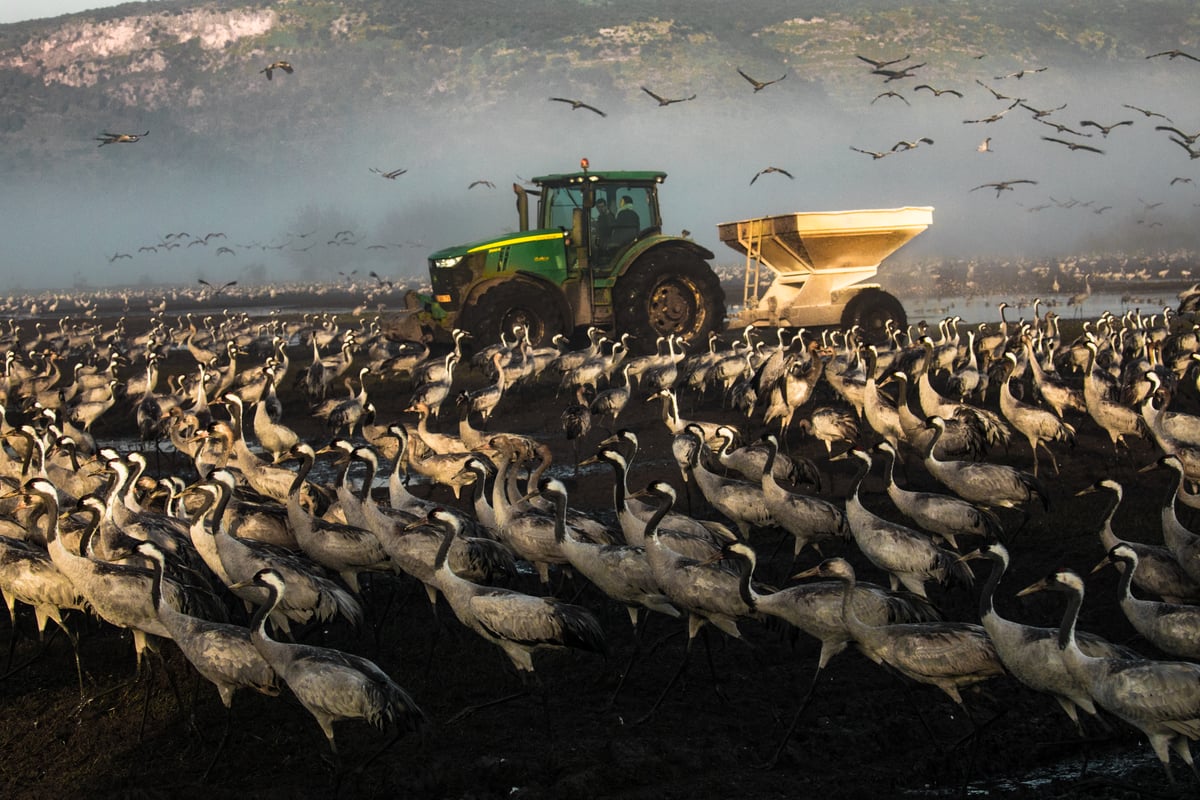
(630, 210)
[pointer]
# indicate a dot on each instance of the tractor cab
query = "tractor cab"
(604, 213)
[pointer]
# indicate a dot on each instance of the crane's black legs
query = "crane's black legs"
(804, 701)
(712, 670)
(469, 710)
(45, 645)
(670, 684)
(525, 691)
(220, 745)
(638, 635)
(386, 746)
(146, 701)
(75, 649)
(12, 643)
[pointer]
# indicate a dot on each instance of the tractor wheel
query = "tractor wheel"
(668, 292)
(507, 307)
(870, 310)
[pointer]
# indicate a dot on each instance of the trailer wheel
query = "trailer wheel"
(668, 292)
(509, 306)
(870, 310)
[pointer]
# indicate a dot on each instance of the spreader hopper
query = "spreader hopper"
(819, 260)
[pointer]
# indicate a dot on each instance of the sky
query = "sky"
(20, 10)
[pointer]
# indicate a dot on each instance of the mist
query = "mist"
(85, 224)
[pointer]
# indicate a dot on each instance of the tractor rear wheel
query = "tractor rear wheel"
(668, 292)
(507, 308)
(870, 310)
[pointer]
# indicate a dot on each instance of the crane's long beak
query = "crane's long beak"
(812, 572)
(1041, 585)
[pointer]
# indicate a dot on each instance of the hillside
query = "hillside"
(193, 67)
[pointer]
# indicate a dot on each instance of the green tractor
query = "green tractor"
(597, 256)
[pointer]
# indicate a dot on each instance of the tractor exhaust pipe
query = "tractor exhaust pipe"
(522, 205)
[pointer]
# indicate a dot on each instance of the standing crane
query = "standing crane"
(330, 684)
(1037, 425)
(706, 589)
(948, 655)
(908, 556)
(740, 501)
(941, 514)
(1158, 572)
(222, 653)
(517, 623)
(1173, 628)
(810, 520)
(1030, 653)
(981, 482)
(309, 593)
(622, 572)
(816, 609)
(28, 575)
(345, 549)
(1159, 698)
(118, 593)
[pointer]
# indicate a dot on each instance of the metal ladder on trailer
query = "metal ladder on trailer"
(751, 238)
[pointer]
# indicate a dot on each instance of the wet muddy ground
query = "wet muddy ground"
(864, 732)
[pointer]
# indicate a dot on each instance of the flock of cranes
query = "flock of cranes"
(234, 546)
(312, 244)
(1074, 137)
(895, 69)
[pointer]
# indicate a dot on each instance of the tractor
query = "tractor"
(597, 256)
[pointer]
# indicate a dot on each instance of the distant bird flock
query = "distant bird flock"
(891, 70)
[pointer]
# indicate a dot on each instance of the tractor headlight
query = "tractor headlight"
(447, 263)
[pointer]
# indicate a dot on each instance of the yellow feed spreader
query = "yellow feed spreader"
(819, 260)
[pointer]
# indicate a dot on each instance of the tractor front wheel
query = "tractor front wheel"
(511, 307)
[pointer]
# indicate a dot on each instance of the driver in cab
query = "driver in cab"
(627, 223)
(604, 223)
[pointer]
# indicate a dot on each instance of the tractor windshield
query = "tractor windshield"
(619, 213)
(562, 202)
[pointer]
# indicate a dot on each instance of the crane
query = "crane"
(222, 653)
(515, 622)
(330, 684)
(816, 609)
(948, 655)
(941, 514)
(706, 589)
(1031, 653)
(1159, 698)
(981, 482)
(1173, 628)
(908, 556)
(1158, 572)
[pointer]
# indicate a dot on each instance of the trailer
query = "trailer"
(816, 263)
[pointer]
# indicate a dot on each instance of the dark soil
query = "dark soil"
(866, 732)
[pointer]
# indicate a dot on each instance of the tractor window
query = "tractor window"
(562, 203)
(619, 214)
